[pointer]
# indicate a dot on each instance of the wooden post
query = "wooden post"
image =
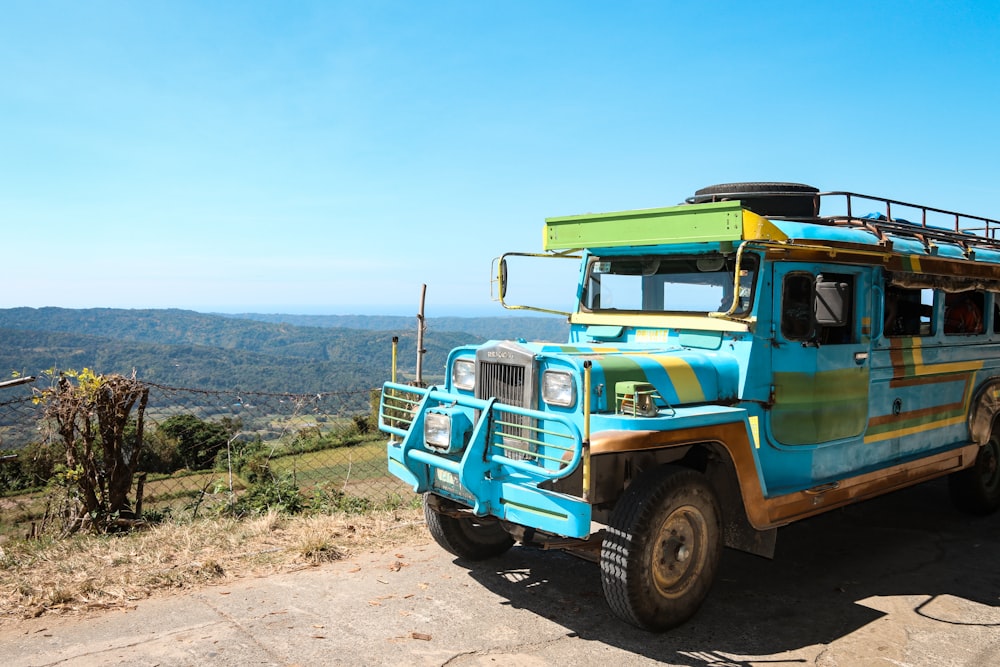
(139, 488)
(420, 338)
(395, 351)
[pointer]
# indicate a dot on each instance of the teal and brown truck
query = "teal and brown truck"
(759, 354)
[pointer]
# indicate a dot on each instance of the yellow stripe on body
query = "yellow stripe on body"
(918, 368)
(951, 421)
(682, 377)
(948, 367)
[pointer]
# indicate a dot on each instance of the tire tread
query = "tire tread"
(636, 509)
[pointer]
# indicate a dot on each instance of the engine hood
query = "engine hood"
(680, 375)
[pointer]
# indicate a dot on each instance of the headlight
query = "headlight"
(558, 389)
(437, 430)
(447, 430)
(463, 374)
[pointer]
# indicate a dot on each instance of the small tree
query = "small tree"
(198, 441)
(91, 413)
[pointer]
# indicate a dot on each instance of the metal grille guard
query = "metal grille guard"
(552, 441)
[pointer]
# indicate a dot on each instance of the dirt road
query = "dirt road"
(903, 580)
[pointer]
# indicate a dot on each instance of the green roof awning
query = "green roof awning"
(695, 223)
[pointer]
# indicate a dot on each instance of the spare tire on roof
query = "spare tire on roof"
(784, 200)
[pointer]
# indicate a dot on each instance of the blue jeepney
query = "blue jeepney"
(734, 364)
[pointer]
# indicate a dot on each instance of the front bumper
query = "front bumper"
(508, 453)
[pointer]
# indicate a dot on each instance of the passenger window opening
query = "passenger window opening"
(908, 312)
(797, 306)
(963, 313)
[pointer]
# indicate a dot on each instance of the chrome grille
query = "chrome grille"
(511, 382)
(506, 383)
(502, 381)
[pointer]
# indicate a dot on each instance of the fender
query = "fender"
(762, 512)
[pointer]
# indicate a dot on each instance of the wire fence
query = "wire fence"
(203, 450)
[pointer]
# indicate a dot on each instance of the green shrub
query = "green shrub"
(271, 495)
(250, 460)
(159, 453)
(198, 441)
(30, 467)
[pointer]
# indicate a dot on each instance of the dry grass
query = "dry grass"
(99, 572)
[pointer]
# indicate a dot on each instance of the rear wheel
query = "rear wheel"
(662, 549)
(976, 490)
(466, 537)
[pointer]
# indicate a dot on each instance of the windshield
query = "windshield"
(701, 284)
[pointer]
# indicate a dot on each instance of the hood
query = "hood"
(681, 376)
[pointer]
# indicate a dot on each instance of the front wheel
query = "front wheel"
(976, 490)
(662, 549)
(466, 537)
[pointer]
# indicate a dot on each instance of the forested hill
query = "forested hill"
(552, 329)
(188, 349)
(293, 353)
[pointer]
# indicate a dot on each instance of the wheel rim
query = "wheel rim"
(989, 465)
(680, 547)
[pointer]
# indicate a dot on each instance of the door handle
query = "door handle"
(860, 358)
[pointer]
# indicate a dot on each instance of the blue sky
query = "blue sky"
(330, 157)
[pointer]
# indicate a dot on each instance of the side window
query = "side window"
(963, 313)
(797, 306)
(819, 308)
(996, 311)
(908, 312)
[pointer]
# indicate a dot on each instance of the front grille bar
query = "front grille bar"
(545, 445)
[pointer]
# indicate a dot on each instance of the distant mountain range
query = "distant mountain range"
(551, 329)
(250, 352)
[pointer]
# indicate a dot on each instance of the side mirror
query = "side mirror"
(503, 279)
(528, 281)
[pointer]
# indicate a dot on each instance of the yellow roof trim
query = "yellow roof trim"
(758, 228)
(659, 321)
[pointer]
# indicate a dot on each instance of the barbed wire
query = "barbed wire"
(202, 446)
(257, 393)
(16, 401)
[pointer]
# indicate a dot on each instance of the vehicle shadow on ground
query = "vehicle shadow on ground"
(909, 543)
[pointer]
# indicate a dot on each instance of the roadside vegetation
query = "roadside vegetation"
(215, 501)
(90, 572)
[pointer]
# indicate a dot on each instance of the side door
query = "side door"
(820, 372)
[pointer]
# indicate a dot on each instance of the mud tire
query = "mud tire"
(976, 490)
(468, 538)
(662, 548)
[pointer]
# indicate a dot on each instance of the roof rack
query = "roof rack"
(965, 230)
